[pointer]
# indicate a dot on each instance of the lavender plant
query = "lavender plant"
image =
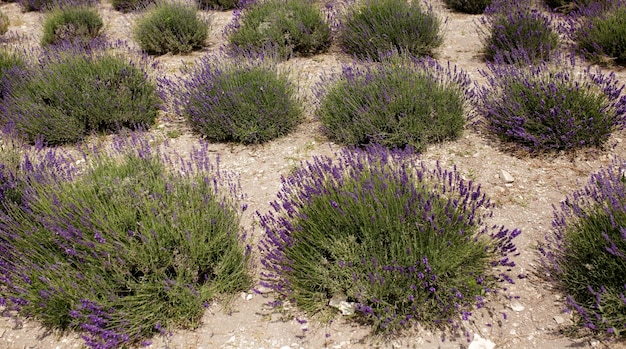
(79, 25)
(381, 26)
(400, 101)
(237, 100)
(468, 6)
(290, 27)
(131, 5)
(11, 65)
(218, 4)
(402, 243)
(73, 92)
(584, 256)
(45, 5)
(599, 31)
(514, 29)
(551, 107)
(4, 23)
(130, 246)
(171, 27)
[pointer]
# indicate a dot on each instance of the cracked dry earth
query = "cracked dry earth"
(524, 201)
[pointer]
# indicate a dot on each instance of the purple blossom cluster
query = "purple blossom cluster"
(406, 244)
(584, 256)
(546, 107)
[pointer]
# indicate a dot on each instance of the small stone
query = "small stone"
(481, 343)
(506, 177)
(559, 320)
(517, 306)
(249, 296)
(594, 343)
(285, 347)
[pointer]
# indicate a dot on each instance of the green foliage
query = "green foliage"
(217, 4)
(10, 63)
(71, 24)
(291, 27)
(125, 250)
(241, 101)
(381, 26)
(468, 6)
(171, 27)
(4, 23)
(602, 37)
(396, 103)
(130, 5)
(73, 94)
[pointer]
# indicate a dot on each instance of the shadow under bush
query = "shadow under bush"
(468, 6)
(242, 101)
(73, 92)
(289, 27)
(398, 102)
(402, 244)
(381, 26)
(584, 256)
(550, 107)
(131, 245)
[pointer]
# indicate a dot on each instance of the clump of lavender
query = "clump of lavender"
(73, 91)
(44, 5)
(468, 6)
(4, 23)
(584, 256)
(126, 246)
(242, 100)
(550, 107)
(380, 26)
(401, 242)
(400, 101)
(131, 5)
(599, 31)
(221, 5)
(79, 24)
(171, 27)
(289, 27)
(514, 30)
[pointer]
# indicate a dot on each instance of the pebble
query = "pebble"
(517, 306)
(506, 177)
(481, 343)
(559, 320)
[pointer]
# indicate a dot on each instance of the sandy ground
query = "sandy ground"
(533, 320)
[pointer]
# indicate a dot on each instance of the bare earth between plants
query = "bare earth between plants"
(532, 320)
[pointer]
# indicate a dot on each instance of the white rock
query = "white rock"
(506, 177)
(559, 319)
(517, 306)
(481, 343)
(285, 347)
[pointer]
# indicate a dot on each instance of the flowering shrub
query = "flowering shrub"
(125, 249)
(403, 243)
(11, 65)
(74, 24)
(130, 5)
(513, 29)
(599, 31)
(171, 27)
(44, 5)
(468, 6)
(241, 101)
(4, 23)
(291, 27)
(381, 26)
(74, 92)
(218, 4)
(584, 256)
(543, 108)
(398, 102)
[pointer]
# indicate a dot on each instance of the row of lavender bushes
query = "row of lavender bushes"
(371, 177)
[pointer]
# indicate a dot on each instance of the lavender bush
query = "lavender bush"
(290, 27)
(401, 101)
(550, 107)
(403, 243)
(73, 92)
(131, 5)
(171, 27)
(599, 31)
(129, 246)
(45, 5)
(219, 4)
(245, 101)
(514, 29)
(584, 256)
(79, 25)
(468, 6)
(4, 23)
(381, 26)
